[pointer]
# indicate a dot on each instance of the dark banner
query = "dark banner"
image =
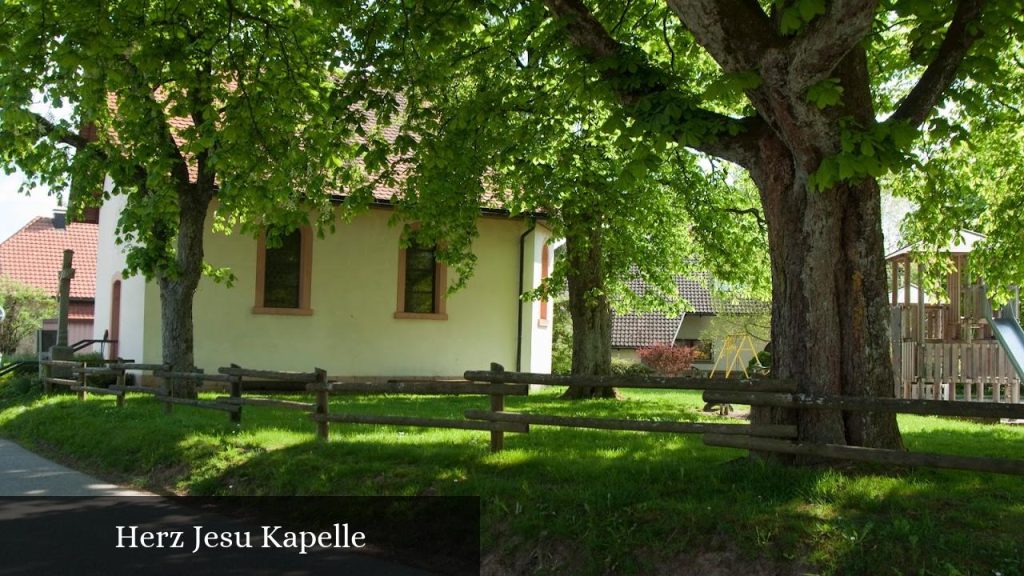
(151, 536)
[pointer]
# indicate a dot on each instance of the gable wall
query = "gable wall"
(110, 262)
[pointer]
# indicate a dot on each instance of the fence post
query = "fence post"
(82, 380)
(497, 405)
(322, 404)
(47, 374)
(165, 391)
(120, 392)
(236, 392)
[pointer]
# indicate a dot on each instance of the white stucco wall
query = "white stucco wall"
(537, 333)
(110, 262)
(354, 287)
(701, 327)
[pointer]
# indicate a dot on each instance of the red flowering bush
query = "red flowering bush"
(666, 359)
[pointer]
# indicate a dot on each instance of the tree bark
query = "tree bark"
(829, 305)
(590, 312)
(177, 291)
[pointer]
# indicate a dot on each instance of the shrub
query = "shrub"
(666, 359)
(561, 341)
(765, 357)
(622, 367)
(26, 308)
(19, 387)
(96, 359)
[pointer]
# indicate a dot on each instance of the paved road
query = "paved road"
(32, 522)
(23, 473)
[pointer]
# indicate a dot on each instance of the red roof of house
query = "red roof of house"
(35, 253)
(382, 191)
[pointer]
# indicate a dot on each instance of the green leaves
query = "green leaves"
(866, 153)
(730, 85)
(26, 308)
(238, 100)
(826, 93)
(800, 13)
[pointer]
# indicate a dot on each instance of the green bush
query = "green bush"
(561, 339)
(765, 357)
(622, 367)
(96, 359)
(19, 387)
(26, 307)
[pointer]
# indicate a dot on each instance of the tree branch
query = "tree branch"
(147, 92)
(751, 212)
(816, 52)
(633, 79)
(48, 128)
(921, 100)
(735, 32)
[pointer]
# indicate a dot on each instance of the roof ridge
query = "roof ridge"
(23, 228)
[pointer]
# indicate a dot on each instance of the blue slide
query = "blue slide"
(1010, 335)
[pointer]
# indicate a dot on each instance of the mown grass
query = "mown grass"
(562, 501)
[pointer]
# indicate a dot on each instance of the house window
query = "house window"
(703, 348)
(422, 283)
(283, 274)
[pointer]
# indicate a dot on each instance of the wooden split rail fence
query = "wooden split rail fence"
(75, 375)
(497, 384)
(497, 391)
(963, 409)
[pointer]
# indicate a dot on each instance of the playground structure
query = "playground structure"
(953, 345)
(730, 358)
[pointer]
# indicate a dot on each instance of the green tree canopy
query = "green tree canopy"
(815, 99)
(183, 103)
(970, 176)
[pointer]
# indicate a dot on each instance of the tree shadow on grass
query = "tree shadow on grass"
(134, 444)
(631, 503)
(625, 502)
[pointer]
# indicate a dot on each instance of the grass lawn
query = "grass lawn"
(560, 501)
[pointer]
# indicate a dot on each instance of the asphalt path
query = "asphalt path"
(55, 520)
(23, 473)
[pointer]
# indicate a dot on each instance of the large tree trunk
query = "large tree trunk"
(590, 312)
(829, 303)
(177, 292)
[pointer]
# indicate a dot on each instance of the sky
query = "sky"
(17, 209)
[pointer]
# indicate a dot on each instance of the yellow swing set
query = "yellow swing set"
(734, 345)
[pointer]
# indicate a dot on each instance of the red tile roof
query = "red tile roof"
(34, 255)
(384, 192)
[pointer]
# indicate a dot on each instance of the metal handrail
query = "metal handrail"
(84, 343)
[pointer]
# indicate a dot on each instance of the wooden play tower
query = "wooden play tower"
(952, 345)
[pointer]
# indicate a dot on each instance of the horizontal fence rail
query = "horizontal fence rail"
(774, 431)
(871, 455)
(497, 413)
(635, 381)
(427, 387)
(420, 422)
(871, 404)
(496, 384)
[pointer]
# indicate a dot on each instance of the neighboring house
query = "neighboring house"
(352, 303)
(34, 255)
(704, 327)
